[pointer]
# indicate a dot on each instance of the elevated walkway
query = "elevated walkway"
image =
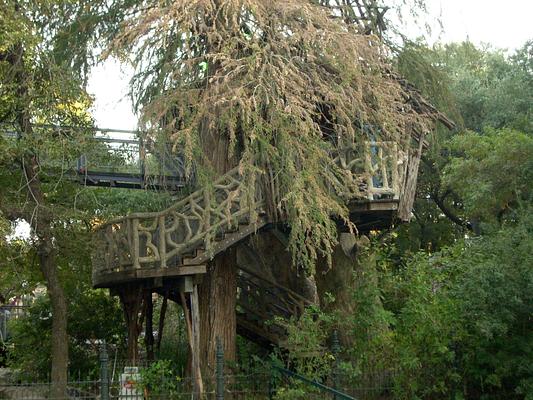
(112, 158)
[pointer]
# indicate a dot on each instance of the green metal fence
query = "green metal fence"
(117, 381)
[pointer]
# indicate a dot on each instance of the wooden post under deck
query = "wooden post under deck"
(195, 318)
(149, 328)
(192, 320)
(131, 297)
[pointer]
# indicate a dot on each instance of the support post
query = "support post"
(195, 325)
(131, 297)
(149, 329)
(219, 370)
(104, 376)
(161, 326)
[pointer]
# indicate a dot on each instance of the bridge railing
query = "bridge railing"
(92, 152)
(371, 171)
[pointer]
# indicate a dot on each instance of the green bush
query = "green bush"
(160, 378)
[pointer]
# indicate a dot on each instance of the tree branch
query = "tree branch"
(439, 201)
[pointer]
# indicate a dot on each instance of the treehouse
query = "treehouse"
(167, 252)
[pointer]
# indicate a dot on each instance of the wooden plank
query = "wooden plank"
(173, 271)
(375, 205)
(245, 328)
(115, 278)
(275, 284)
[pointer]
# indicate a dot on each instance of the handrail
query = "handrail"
(275, 284)
(324, 388)
(173, 207)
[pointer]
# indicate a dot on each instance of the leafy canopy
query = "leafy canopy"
(262, 84)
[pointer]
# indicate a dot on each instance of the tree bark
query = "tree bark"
(131, 298)
(218, 296)
(59, 317)
(340, 281)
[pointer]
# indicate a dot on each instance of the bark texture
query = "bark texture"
(131, 297)
(217, 297)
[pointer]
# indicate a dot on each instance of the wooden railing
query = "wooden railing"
(159, 240)
(373, 172)
(107, 157)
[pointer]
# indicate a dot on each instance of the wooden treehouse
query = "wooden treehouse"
(167, 252)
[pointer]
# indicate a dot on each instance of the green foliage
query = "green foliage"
(462, 328)
(305, 343)
(296, 391)
(470, 179)
(491, 172)
(92, 316)
(160, 378)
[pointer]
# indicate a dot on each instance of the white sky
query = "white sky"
(505, 24)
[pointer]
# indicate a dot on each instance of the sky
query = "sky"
(504, 24)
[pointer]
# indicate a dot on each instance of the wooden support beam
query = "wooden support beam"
(161, 326)
(131, 297)
(192, 322)
(149, 328)
(195, 319)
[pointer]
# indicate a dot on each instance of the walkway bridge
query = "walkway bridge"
(108, 157)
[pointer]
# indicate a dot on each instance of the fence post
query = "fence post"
(336, 349)
(104, 376)
(219, 370)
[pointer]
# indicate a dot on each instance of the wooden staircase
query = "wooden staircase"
(261, 302)
(179, 240)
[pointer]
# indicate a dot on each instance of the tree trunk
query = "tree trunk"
(41, 219)
(42, 222)
(131, 297)
(59, 318)
(218, 290)
(218, 295)
(338, 281)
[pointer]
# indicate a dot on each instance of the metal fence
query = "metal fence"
(117, 381)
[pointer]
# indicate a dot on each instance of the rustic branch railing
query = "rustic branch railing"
(372, 170)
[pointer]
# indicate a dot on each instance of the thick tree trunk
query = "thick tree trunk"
(218, 291)
(218, 295)
(131, 297)
(340, 282)
(59, 318)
